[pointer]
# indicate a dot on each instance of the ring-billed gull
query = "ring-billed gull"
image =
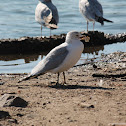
(46, 14)
(92, 11)
(61, 58)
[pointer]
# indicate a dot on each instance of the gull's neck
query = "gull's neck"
(71, 40)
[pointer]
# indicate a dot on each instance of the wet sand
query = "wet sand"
(84, 101)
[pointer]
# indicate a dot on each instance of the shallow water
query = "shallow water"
(17, 20)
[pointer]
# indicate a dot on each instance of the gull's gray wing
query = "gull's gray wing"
(53, 60)
(91, 8)
(97, 7)
(43, 14)
(55, 17)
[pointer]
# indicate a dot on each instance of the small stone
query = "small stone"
(1, 83)
(44, 103)
(100, 83)
(4, 115)
(94, 66)
(117, 124)
(83, 105)
(13, 121)
(20, 115)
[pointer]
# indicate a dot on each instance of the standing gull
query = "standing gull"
(46, 14)
(61, 58)
(92, 11)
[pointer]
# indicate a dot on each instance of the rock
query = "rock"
(8, 100)
(20, 115)
(83, 105)
(117, 124)
(94, 66)
(4, 115)
(13, 121)
(1, 83)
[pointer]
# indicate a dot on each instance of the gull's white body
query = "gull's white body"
(92, 11)
(46, 14)
(75, 49)
(61, 58)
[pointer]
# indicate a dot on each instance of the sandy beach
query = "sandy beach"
(95, 95)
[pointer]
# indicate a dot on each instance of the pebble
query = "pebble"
(20, 115)
(83, 105)
(117, 124)
(13, 121)
(1, 83)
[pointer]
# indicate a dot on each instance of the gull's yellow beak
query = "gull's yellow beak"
(85, 38)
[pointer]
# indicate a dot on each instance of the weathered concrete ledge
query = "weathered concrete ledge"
(26, 45)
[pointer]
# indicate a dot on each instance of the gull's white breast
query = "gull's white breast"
(42, 8)
(75, 50)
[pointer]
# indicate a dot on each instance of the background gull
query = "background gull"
(92, 11)
(46, 14)
(61, 58)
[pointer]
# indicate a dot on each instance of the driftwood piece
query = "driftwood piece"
(109, 75)
(26, 45)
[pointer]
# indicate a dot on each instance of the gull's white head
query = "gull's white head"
(72, 35)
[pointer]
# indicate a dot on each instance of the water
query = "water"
(17, 20)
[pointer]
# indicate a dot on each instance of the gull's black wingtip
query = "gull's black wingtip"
(24, 78)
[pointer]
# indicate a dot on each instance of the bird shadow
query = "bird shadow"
(60, 86)
(66, 86)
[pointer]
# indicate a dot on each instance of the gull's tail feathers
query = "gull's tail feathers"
(30, 77)
(101, 20)
(107, 20)
(52, 26)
